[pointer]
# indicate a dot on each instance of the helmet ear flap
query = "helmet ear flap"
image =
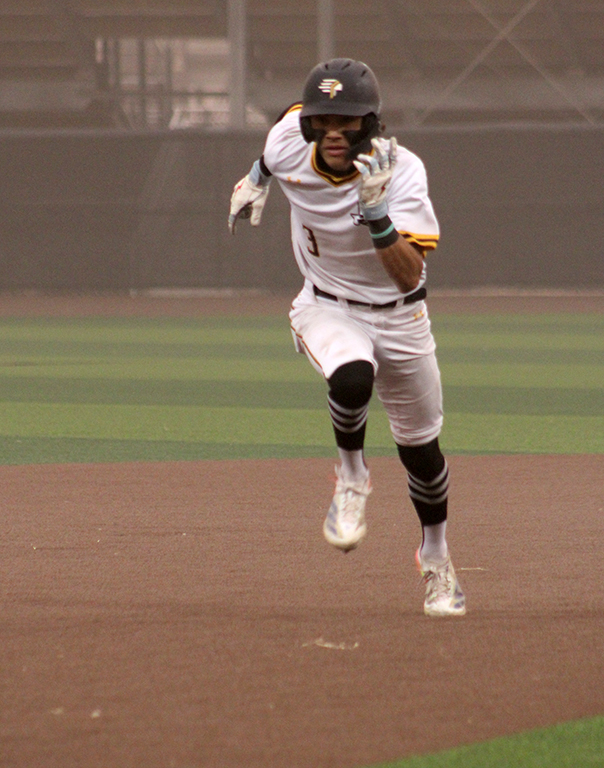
(360, 141)
(308, 132)
(372, 125)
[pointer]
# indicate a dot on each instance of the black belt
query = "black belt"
(418, 295)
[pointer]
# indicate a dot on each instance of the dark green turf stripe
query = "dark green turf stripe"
(253, 394)
(63, 450)
(81, 350)
(524, 401)
(516, 356)
(17, 451)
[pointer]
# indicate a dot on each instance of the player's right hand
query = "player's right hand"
(247, 202)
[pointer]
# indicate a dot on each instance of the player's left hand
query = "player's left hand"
(376, 173)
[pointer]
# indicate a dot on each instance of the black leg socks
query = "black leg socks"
(428, 478)
(350, 388)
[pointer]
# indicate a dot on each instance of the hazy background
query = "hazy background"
(125, 123)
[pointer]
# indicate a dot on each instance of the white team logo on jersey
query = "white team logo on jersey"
(331, 86)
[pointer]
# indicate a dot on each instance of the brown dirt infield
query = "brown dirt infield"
(190, 614)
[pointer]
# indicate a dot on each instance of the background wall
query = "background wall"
(101, 210)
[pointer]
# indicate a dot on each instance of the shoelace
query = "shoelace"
(440, 579)
(351, 503)
(353, 495)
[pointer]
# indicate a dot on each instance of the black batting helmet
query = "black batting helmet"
(343, 87)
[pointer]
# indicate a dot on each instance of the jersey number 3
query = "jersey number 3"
(313, 248)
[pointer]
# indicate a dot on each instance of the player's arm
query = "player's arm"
(402, 261)
(249, 195)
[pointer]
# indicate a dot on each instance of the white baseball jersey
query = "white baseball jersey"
(331, 243)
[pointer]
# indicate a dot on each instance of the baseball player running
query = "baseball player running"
(362, 223)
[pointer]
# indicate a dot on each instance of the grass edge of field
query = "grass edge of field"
(565, 745)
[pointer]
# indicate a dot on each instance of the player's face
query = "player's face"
(334, 145)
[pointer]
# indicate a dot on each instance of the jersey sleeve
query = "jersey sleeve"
(409, 205)
(285, 143)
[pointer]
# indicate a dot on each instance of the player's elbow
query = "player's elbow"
(406, 286)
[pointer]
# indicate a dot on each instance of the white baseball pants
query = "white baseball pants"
(398, 343)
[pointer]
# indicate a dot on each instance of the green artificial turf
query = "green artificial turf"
(579, 744)
(179, 389)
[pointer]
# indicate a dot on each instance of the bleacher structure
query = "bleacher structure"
(220, 64)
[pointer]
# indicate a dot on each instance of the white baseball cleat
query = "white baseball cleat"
(344, 526)
(444, 596)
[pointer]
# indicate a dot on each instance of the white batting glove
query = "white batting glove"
(248, 198)
(376, 173)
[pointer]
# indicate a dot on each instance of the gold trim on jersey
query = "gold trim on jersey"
(428, 242)
(336, 181)
(294, 108)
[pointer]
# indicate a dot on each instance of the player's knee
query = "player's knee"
(425, 462)
(351, 384)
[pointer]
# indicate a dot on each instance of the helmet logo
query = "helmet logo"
(331, 86)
